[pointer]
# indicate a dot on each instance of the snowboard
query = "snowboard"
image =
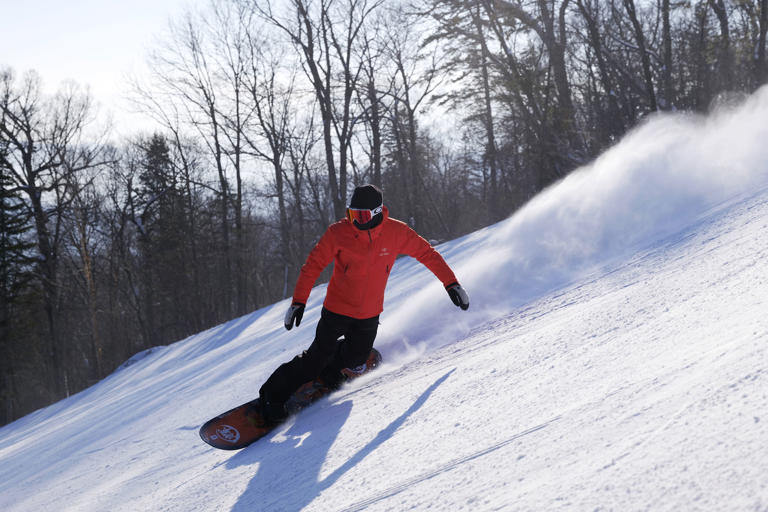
(241, 426)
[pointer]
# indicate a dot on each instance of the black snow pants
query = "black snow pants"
(326, 357)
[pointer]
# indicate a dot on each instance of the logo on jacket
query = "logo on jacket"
(384, 252)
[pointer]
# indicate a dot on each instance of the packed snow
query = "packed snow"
(613, 357)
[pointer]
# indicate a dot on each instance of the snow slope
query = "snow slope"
(614, 357)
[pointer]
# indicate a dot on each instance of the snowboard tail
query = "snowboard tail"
(241, 426)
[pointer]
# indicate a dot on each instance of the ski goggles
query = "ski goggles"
(363, 216)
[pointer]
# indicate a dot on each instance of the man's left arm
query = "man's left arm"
(416, 247)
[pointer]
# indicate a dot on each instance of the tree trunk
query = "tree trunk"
(375, 122)
(7, 372)
(629, 5)
(323, 93)
(555, 41)
(240, 274)
(761, 66)
(613, 119)
(668, 102)
(493, 196)
(725, 80)
(191, 234)
(47, 271)
(96, 347)
(226, 253)
(285, 231)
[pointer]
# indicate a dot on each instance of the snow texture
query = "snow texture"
(613, 358)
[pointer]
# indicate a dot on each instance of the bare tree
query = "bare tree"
(46, 153)
(185, 72)
(416, 77)
(271, 94)
(549, 24)
(724, 55)
(84, 235)
(325, 34)
(761, 65)
(464, 21)
(629, 6)
(229, 25)
(668, 100)
(372, 94)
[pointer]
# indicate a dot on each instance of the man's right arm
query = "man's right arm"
(319, 258)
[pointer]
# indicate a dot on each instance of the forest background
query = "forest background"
(271, 112)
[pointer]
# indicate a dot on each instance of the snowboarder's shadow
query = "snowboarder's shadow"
(290, 479)
(290, 460)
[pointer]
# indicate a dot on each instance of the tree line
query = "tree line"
(268, 113)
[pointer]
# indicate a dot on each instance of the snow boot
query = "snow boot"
(273, 412)
(332, 378)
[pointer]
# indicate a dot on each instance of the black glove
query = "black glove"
(295, 312)
(458, 295)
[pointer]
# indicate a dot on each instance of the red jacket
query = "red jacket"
(362, 263)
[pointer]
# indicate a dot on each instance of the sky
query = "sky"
(97, 43)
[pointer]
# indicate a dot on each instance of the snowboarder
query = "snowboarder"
(363, 247)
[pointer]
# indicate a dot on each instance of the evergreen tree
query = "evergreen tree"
(14, 274)
(162, 243)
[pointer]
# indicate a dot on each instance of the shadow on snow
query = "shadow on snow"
(294, 476)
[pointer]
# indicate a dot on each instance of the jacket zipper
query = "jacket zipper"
(368, 273)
